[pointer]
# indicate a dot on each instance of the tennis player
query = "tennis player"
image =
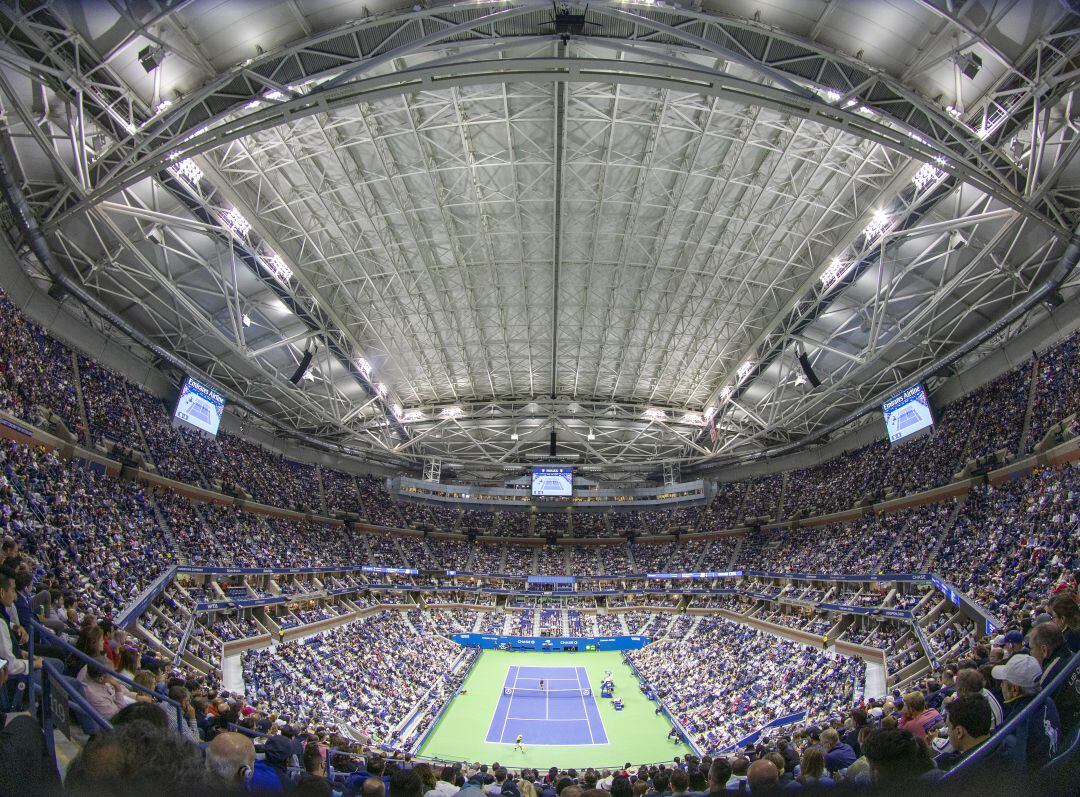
(518, 744)
(542, 685)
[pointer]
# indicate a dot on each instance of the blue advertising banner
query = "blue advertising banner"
(897, 614)
(496, 642)
(250, 603)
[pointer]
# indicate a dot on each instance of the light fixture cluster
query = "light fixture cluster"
(877, 226)
(189, 170)
(277, 268)
(381, 390)
(449, 413)
(654, 414)
(833, 273)
(928, 173)
(235, 221)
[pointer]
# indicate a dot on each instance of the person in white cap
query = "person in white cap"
(1019, 678)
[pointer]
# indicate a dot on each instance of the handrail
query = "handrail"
(1004, 731)
(248, 731)
(51, 675)
(49, 636)
(76, 698)
(142, 601)
(752, 737)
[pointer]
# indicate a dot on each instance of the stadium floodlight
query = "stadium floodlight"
(654, 414)
(953, 111)
(411, 416)
(590, 436)
(833, 273)
(513, 437)
(928, 173)
(189, 170)
(877, 226)
(800, 379)
(162, 106)
(397, 411)
(449, 413)
(745, 369)
(277, 268)
(309, 375)
(236, 222)
(246, 320)
(693, 419)
(364, 367)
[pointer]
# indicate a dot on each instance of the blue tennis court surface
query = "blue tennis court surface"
(563, 713)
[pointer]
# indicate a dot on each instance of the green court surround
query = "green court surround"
(636, 734)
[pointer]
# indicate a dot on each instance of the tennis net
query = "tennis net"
(548, 693)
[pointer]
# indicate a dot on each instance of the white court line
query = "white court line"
(592, 697)
(584, 708)
(502, 733)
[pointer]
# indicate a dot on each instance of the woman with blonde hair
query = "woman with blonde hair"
(525, 786)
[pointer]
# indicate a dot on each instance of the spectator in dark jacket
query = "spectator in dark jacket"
(1048, 647)
(1019, 678)
(838, 755)
(270, 776)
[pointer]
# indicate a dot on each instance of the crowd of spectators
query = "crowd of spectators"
(93, 542)
(365, 677)
(1015, 541)
(727, 680)
(340, 491)
(167, 445)
(1055, 394)
(35, 371)
(898, 542)
(38, 372)
(107, 408)
(590, 524)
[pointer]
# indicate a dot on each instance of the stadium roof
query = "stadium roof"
(623, 221)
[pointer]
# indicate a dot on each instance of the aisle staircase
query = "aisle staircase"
(144, 447)
(735, 551)
(1032, 391)
(322, 490)
(79, 395)
(166, 528)
(946, 530)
